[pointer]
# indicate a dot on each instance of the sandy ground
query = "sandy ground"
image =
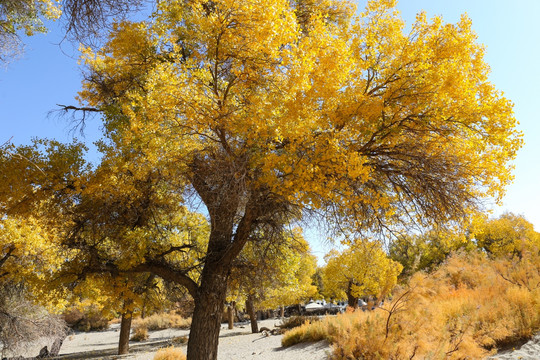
(529, 351)
(238, 343)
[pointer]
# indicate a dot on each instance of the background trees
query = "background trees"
(271, 274)
(426, 251)
(507, 235)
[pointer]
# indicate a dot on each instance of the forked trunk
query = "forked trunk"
(206, 321)
(251, 312)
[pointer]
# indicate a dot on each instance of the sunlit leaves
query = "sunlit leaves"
(362, 270)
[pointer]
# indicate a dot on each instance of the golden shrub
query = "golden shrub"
(164, 321)
(140, 333)
(170, 353)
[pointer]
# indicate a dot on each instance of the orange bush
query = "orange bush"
(163, 321)
(170, 353)
(467, 308)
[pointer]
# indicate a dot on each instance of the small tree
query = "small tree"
(362, 270)
(508, 235)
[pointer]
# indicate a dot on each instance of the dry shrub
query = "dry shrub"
(465, 309)
(170, 353)
(163, 321)
(140, 333)
(308, 332)
(179, 340)
(22, 321)
(296, 321)
(85, 318)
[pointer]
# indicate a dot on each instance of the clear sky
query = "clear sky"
(47, 75)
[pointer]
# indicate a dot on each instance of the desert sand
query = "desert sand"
(238, 343)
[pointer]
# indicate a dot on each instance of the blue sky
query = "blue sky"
(47, 75)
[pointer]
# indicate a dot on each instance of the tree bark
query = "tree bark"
(226, 240)
(125, 328)
(230, 315)
(351, 299)
(282, 315)
(251, 312)
(206, 322)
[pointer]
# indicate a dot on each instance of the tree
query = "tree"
(362, 270)
(22, 15)
(29, 251)
(84, 21)
(508, 235)
(270, 111)
(424, 252)
(94, 226)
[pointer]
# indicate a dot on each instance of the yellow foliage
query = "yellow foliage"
(275, 275)
(361, 270)
(28, 15)
(507, 235)
(312, 104)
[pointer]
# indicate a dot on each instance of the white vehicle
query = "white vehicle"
(313, 306)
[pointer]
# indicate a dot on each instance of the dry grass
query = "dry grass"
(466, 309)
(170, 353)
(86, 318)
(140, 333)
(296, 321)
(163, 321)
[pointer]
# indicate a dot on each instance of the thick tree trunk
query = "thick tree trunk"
(206, 321)
(351, 299)
(282, 315)
(125, 328)
(251, 312)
